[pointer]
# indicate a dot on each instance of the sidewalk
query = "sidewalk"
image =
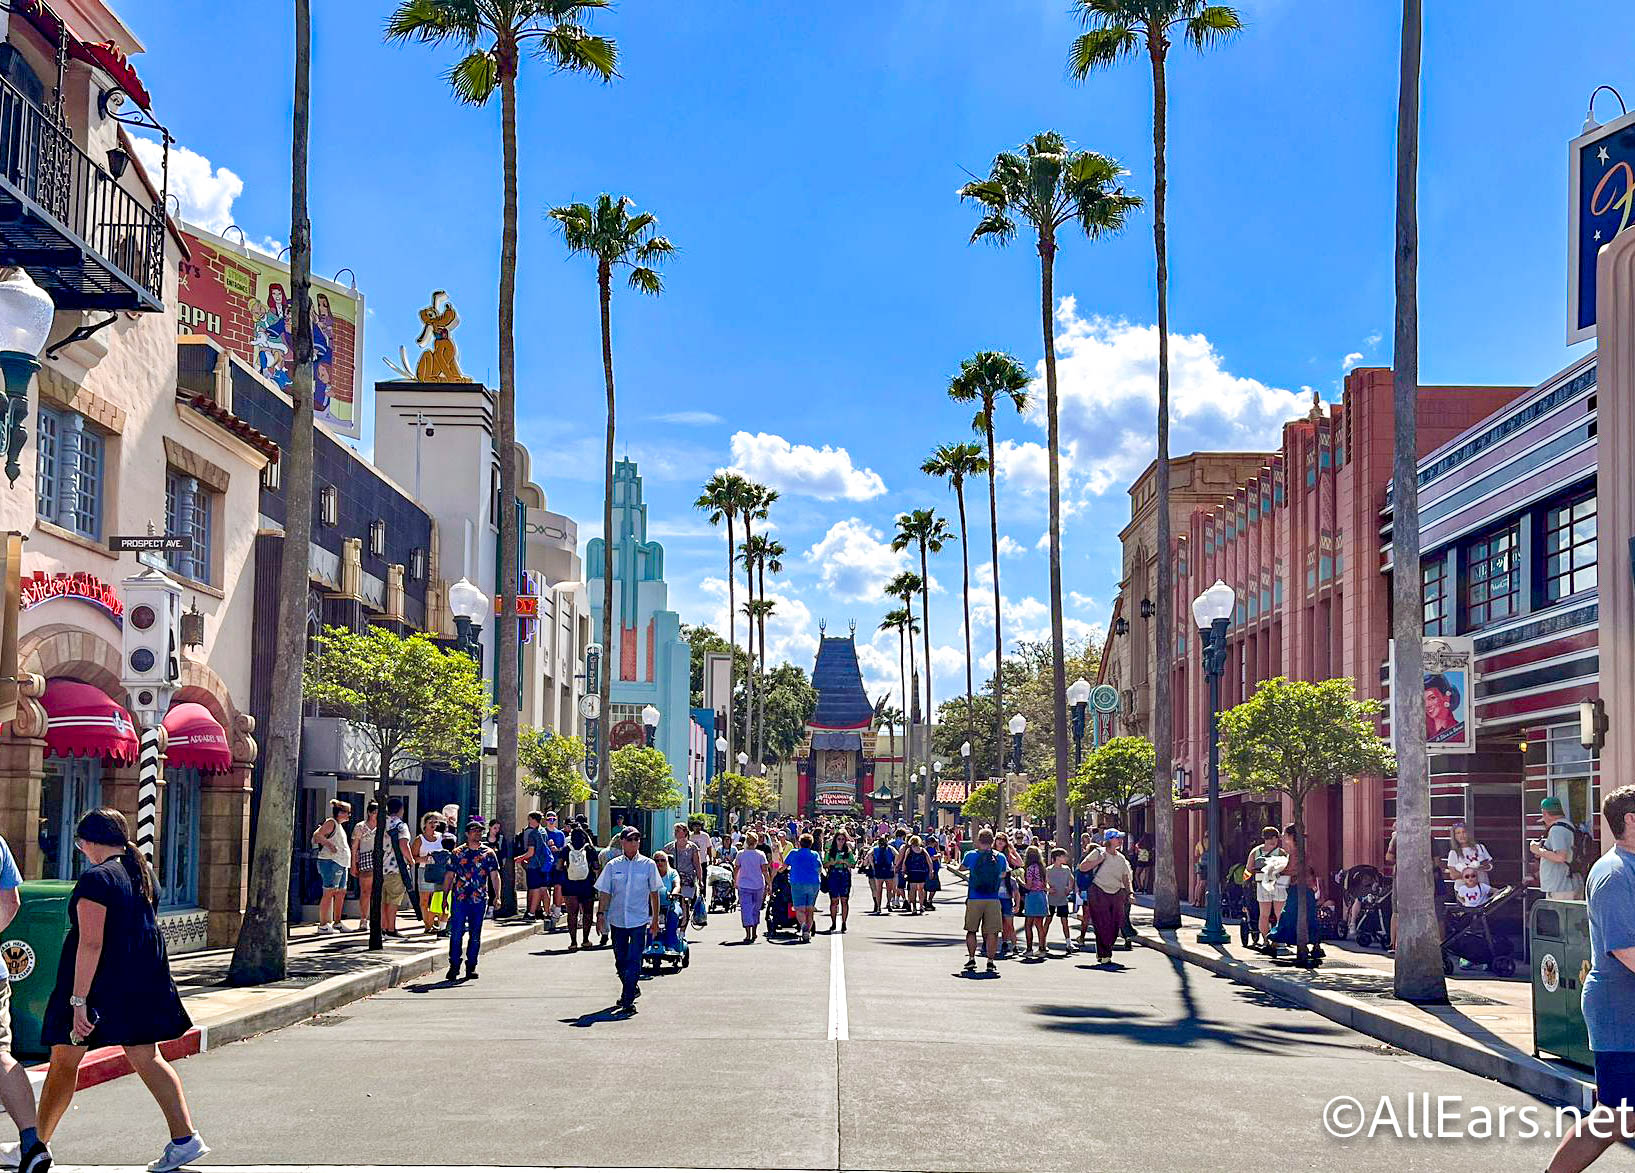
(1486, 1029)
(324, 972)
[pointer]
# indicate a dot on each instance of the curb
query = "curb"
(1524, 1073)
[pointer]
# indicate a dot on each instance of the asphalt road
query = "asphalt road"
(760, 1057)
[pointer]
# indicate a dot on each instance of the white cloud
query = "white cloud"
(1082, 602)
(1373, 340)
(204, 193)
(1025, 465)
(689, 418)
(791, 632)
(1351, 360)
(825, 473)
(1009, 547)
(1028, 618)
(855, 560)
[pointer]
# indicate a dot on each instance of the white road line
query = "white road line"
(838, 1026)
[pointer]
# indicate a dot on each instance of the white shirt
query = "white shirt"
(630, 882)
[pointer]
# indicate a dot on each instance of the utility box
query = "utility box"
(31, 947)
(1558, 936)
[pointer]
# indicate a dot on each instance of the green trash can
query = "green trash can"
(31, 947)
(1558, 935)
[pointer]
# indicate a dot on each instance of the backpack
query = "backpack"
(1585, 852)
(987, 871)
(436, 868)
(578, 864)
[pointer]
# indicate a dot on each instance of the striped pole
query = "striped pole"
(147, 791)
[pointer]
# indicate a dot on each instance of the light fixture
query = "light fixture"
(1147, 609)
(1078, 693)
(937, 765)
(965, 749)
(467, 601)
(743, 759)
(1018, 725)
(118, 160)
(1121, 626)
(922, 771)
(650, 716)
(1214, 604)
(721, 744)
(25, 321)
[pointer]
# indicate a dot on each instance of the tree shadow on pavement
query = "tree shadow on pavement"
(924, 942)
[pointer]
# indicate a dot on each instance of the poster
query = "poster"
(1450, 679)
(240, 298)
(1601, 195)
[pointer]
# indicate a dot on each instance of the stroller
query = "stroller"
(1370, 896)
(1238, 902)
(723, 895)
(780, 905)
(670, 946)
(1469, 937)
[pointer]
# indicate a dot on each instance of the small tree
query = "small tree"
(411, 700)
(1292, 737)
(1116, 774)
(641, 779)
(735, 792)
(552, 762)
(983, 804)
(1038, 801)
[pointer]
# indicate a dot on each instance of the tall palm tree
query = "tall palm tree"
(1114, 30)
(923, 528)
(770, 558)
(758, 610)
(260, 953)
(756, 504)
(1419, 973)
(1048, 186)
(955, 462)
(890, 715)
(722, 500)
(987, 379)
(493, 34)
(613, 239)
(903, 587)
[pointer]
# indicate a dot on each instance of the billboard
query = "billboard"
(1450, 679)
(1601, 195)
(240, 297)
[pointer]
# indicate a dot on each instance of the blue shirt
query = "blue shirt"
(630, 882)
(10, 877)
(1609, 991)
(976, 891)
(805, 866)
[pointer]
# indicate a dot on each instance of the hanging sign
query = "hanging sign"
(1601, 194)
(43, 588)
(152, 543)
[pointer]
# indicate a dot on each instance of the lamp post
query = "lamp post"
(470, 607)
(1018, 726)
(25, 322)
(909, 809)
(650, 722)
(1212, 611)
(1078, 696)
(965, 756)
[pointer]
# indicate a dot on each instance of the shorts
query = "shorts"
(1060, 909)
(689, 888)
(1006, 908)
(840, 883)
(982, 916)
(1035, 904)
(538, 878)
(803, 895)
(1615, 1079)
(1275, 893)
(391, 889)
(331, 875)
(427, 887)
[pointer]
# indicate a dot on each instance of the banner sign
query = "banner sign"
(43, 588)
(1450, 678)
(1601, 193)
(240, 298)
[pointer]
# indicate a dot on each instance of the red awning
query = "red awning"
(84, 721)
(196, 740)
(105, 55)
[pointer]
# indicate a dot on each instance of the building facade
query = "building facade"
(835, 763)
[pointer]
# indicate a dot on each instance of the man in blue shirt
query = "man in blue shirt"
(30, 1154)
(628, 899)
(984, 869)
(805, 877)
(1609, 992)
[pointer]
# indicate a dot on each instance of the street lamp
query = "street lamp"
(743, 761)
(965, 756)
(470, 608)
(1018, 725)
(650, 721)
(1212, 611)
(25, 322)
(1078, 695)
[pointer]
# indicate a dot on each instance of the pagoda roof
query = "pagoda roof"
(842, 703)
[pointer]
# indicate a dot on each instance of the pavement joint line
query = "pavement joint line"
(838, 1023)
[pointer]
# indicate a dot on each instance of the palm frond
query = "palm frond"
(645, 280)
(435, 22)
(1101, 47)
(996, 227)
(475, 77)
(570, 48)
(1212, 25)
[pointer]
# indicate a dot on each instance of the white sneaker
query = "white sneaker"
(11, 1154)
(177, 1155)
(326, 930)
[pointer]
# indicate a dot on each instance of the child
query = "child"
(1035, 899)
(437, 865)
(1059, 884)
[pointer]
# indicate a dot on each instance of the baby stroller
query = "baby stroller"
(1354, 883)
(670, 947)
(723, 894)
(1469, 936)
(1371, 925)
(1238, 901)
(780, 907)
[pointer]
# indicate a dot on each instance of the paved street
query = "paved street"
(752, 1058)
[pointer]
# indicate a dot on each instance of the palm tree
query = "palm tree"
(758, 610)
(722, 500)
(923, 528)
(903, 587)
(1049, 186)
(770, 558)
(260, 953)
(890, 715)
(1116, 29)
(955, 462)
(1419, 973)
(610, 236)
(756, 504)
(493, 35)
(988, 378)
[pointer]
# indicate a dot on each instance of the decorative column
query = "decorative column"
(147, 789)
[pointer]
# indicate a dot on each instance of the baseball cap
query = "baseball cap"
(1111, 834)
(630, 833)
(550, 814)
(475, 823)
(1550, 804)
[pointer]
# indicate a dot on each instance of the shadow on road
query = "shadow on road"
(596, 1017)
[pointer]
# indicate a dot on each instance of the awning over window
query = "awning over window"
(84, 721)
(196, 739)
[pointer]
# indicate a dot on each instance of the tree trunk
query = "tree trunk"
(610, 661)
(914, 703)
(903, 636)
(1297, 884)
(1419, 975)
(998, 637)
(760, 722)
(509, 632)
(925, 635)
(732, 640)
(1166, 898)
(749, 645)
(965, 589)
(1058, 649)
(260, 953)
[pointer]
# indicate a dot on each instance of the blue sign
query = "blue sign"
(1602, 192)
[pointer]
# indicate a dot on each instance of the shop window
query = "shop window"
(70, 789)
(1493, 577)
(69, 467)
(178, 855)
(189, 508)
(1435, 574)
(1570, 775)
(1569, 549)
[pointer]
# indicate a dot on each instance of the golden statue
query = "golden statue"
(439, 358)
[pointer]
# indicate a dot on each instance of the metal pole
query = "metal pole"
(147, 791)
(1214, 931)
(1076, 823)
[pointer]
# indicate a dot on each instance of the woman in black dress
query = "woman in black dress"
(113, 985)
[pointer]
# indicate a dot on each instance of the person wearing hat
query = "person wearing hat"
(469, 884)
(1554, 852)
(628, 900)
(1111, 881)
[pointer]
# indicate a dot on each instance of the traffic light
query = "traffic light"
(152, 649)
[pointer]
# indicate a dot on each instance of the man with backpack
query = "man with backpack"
(1554, 852)
(539, 865)
(984, 871)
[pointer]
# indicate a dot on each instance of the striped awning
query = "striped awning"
(83, 721)
(196, 740)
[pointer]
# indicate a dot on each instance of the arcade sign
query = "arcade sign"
(1601, 195)
(87, 588)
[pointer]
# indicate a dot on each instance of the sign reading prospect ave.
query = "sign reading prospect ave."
(152, 543)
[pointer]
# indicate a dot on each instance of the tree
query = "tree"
(739, 792)
(641, 779)
(760, 554)
(493, 34)
(553, 763)
(1048, 186)
(923, 528)
(1116, 29)
(890, 716)
(1115, 774)
(409, 699)
(987, 378)
(1038, 801)
(756, 503)
(1293, 736)
(790, 702)
(954, 463)
(904, 585)
(983, 804)
(702, 640)
(260, 953)
(614, 239)
(723, 499)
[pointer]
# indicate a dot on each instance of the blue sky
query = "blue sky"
(805, 160)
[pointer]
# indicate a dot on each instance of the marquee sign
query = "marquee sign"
(43, 588)
(1601, 193)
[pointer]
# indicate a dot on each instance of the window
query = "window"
(178, 855)
(69, 789)
(1493, 577)
(417, 563)
(188, 508)
(69, 464)
(1571, 773)
(1435, 574)
(1569, 549)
